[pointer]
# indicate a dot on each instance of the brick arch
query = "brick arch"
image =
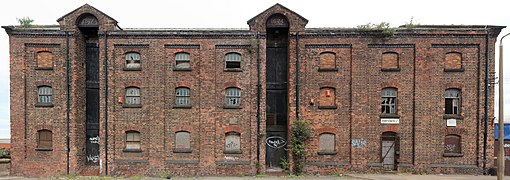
(182, 128)
(328, 84)
(44, 127)
(454, 85)
(231, 84)
(232, 128)
(183, 84)
(454, 130)
(390, 85)
(133, 84)
(326, 130)
(44, 83)
(87, 20)
(391, 128)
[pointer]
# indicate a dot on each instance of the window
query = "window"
(327, 98)
(233, 96)
(44, 60)
(182, 142)
(132, 60)
(182, 96)
(132, 141)
(44, 140)
(389, 61)
(452, 145)
(453, 60)
(45, 95)
(182, 61)
(233, 60)
(327, 144)
(452, 101)
(133, 96)
(389, 101)
(327, 61)
(232, 143)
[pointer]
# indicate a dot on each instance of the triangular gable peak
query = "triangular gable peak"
(87, 16)
(296, 21)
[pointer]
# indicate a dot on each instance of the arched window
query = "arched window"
(232, 143)
(452, 144)
(327, 98)
(452, 101)
(326, 143)
(132, 60)
(182, 141)
(233, 60)
(182, 96)
(133, 96)
(182, 60)
(44, 139)
(389, 101)
(453, 60)
(327, 61)
(45, 95)
(233, 96)
(389, 60)
(132, 141)
(44, 60)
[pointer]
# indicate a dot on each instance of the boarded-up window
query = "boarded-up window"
(327, 97)
(44, 139)
(452, 101)
(132, 60)
(232, 142)
(132, 140)
(182, 61)
(182, 96)
(453, 60)
(44, 60)
(133, 96)
(389, 60)
(45, 95)
(182, 141)
(452, 144)
(233, 60)
(233, 96)
(389, 101)
(327, 60)
(327, 142)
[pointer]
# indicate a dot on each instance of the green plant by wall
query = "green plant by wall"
(300, 133)
(285, 164)
(5, 154)
(25, 21)
(411, 24)
(384, 27)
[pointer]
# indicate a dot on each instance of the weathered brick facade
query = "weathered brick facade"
(339, 93)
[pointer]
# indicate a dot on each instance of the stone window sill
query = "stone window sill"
(43, 68)
(328, 69)
(232, 152)
(389, 116)
(454, 70)
(132, 150)
(44, 105)
(390, 69)
(233, 70)
(453, 155)
(132, 106)
(132, 69)
(327, 107)
(182, 69)
(326, 153)
(453, 116)
(44, 149)
(182, 106)
(182, 150)
(231, 107)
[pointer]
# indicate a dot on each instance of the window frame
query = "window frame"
(185, 149)
(182, 57)
(49, 140)
(233, 57)
(128, 97)
(137, 66)
(135, 141)
(327, 152)
(39, 102)
(186, 97)
(455, 102)
(387, 95)
(232, 93)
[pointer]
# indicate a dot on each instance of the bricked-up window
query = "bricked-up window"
(452, 145)
(45, 95)
(132, 60)
(389, 61)
(452, 101)
(327, 143)
(182, 61)
(133, 96)
(233, 60)
(232, 143)
(453, 60)
(44, 60)
(389, 101)
(44, 140)
(233, 96)
(327, 61)
(132, 141)
(182, 142)
(327, 98)
(182, 96)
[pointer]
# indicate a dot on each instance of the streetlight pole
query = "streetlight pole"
(501, 150)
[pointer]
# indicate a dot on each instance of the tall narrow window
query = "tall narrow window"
(232, 143)
(132, 141)
(45, 95)
(44, 60)
(133, 96)
(327, 61)
(452, 101)
(132, 60)
(389, 101)
(233, 96)
(452, 145)
(327, 98)
(182, 142)
(182, 96)
(233, 60)
(182, 61)
(327, 143)
(453, 60)
(44, 140)
(389, 61)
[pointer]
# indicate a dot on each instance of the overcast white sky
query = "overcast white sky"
(235, 13)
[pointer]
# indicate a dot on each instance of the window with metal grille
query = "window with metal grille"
(132, 140)
(452, 101)
(44, 139)
(327, 143)
(132, 60)
(132, 96)
(45, 95)
(389, 101)
(182, 61)
(233, 60)
(233, 96)
(452, 144)
(182, 96)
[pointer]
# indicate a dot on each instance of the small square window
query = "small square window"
(182, 61)
(233, 60)
(132, 61)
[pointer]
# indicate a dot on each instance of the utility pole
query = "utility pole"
(501, 149)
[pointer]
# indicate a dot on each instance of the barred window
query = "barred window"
(132, 140)
(133, 96)
(233, 96)
(233, 60)
(44, 139)
(132, 60)
(182, 96)
(182, 61)
(45, 95)
(452, 101)
(389, 101)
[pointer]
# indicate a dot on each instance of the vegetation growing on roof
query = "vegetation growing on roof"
(384, 27)
(25, 22)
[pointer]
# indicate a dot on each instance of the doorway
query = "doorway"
(389, 150)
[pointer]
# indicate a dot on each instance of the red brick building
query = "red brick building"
(89, 97)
